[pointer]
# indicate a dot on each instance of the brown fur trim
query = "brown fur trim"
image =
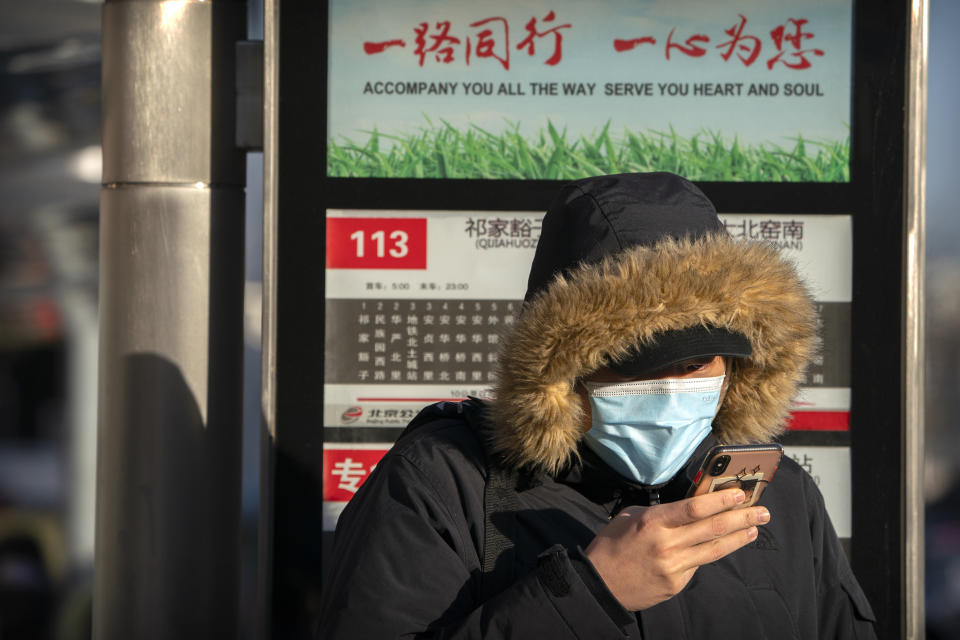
(579, 322)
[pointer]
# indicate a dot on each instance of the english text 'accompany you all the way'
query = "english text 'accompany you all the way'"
(609, 89)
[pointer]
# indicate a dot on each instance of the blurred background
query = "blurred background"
(49, 188)
(942, 487)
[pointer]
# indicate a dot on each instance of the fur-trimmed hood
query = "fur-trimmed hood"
(597, 312)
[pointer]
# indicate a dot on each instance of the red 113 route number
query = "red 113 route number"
(376, 243)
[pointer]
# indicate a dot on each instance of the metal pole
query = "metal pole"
(167, 561)
(268, 367)
(914, 232)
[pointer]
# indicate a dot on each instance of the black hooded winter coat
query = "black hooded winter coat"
(622, 259)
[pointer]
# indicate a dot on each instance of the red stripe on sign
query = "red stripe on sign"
(819, 421)
(345, 470)
(376, 243)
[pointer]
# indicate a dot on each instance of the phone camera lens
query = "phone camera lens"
(719, 465)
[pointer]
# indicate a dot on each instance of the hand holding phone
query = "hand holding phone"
(646, 555)
(746, 466)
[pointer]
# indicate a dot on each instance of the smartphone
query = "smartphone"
(747, 466)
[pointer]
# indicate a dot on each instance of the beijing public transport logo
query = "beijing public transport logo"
(351, 415)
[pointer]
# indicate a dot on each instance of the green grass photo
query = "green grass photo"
(444, 151)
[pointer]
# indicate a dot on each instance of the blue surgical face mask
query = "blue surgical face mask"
(647, 430)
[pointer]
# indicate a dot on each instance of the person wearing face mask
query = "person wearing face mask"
(557, 509)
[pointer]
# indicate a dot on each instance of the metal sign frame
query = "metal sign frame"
(884, 197)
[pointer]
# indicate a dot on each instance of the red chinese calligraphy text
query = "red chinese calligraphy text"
(487, 45)
(532, 33)
(747, 47)
(442, 42)
(689, 47)
(796, 59)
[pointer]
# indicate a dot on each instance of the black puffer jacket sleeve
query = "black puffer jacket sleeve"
(406, 564)
(842, 608)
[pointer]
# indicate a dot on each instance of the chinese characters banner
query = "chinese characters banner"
(717, 91)
(416, 303)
